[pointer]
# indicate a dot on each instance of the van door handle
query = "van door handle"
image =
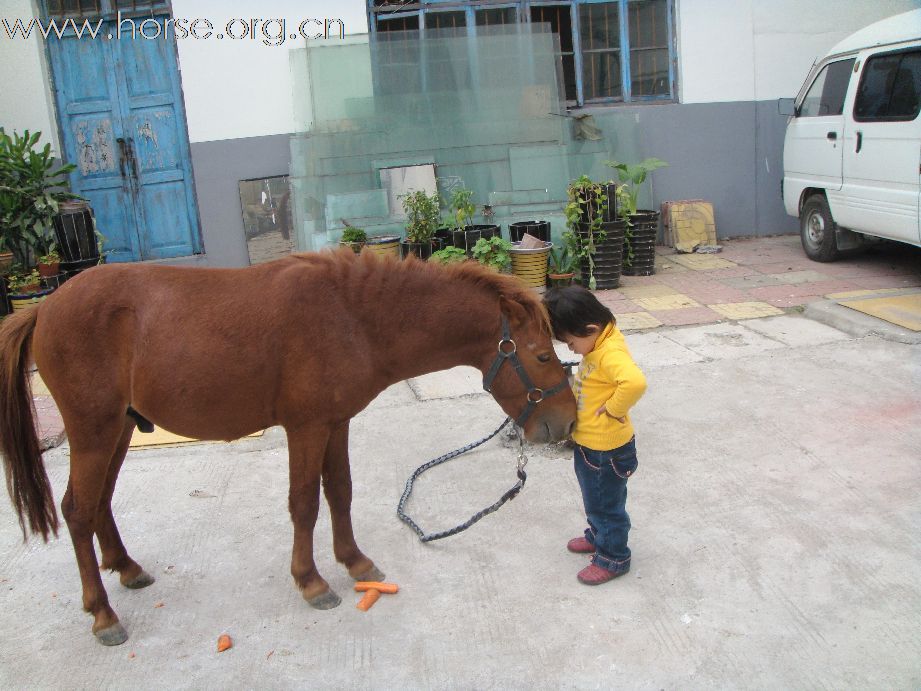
(859, 140)
(832, 136)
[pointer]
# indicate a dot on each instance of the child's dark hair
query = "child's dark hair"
(573, 308)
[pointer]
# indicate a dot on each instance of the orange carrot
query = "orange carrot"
(224, 642)
(389, 588)
(368, 600)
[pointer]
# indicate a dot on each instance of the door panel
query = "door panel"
(882, 150)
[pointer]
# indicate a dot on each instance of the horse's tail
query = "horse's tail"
(26, 478)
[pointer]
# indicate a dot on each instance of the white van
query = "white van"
(852, 153)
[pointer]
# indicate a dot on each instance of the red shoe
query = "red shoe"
(580, 545)
(595, 575)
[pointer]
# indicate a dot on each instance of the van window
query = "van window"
(890, 88)
(826, 95)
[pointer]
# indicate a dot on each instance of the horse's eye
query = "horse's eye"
(545, 357)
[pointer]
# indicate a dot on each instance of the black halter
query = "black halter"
(535, 394)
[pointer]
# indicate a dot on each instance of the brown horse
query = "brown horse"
(305, 342)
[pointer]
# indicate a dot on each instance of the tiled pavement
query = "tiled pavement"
(750, 278)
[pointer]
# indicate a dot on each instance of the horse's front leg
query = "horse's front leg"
(337, 485)
(306, 450)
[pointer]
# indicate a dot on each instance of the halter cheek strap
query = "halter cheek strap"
(508, 350)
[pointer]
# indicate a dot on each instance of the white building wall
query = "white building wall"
(755, 50)
(26, 101)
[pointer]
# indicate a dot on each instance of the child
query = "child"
(606, 386)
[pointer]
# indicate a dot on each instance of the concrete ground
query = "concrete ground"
(776, 522)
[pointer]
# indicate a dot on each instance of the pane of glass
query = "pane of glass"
(648, 24)
(266, 218)
(906, 89)
(560, 22)
(826, 95)
(599, 26)
(139, 5)
(496, 17)
(602, 77)
(410, 23)
(448, 23)
(649, 72)
(889, 87)
(74, 8)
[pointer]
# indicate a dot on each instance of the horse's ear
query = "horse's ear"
(515, 311)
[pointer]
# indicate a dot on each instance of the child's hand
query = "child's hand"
(604, 411)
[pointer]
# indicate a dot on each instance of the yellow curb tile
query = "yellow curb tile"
(637, 320)
(161, 438)
(666, 302)
(902, 310)
(668, 265)
(745, 310)
(860, 293)
(655, 290)
(702, 262)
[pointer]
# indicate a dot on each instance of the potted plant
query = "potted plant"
(598, 243)
(32, 186)
(642, 224)
(49, 264)
(25, 288)
(493, 252)
(353, 238)
(464, 233)
(422, 214)
(562, 263)
(449, 255)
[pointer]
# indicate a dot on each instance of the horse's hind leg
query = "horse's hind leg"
(337, 484)
(91, 454)
(114, 555)
(306, 449)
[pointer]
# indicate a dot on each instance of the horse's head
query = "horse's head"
(525, 375)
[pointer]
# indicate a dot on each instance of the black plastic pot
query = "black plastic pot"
(74, 231)
(539, 229)
(642, 244)
(423, 250)
(608, 256)
(608, 209)
(467, 237)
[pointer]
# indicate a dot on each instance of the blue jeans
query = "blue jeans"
(603, 477)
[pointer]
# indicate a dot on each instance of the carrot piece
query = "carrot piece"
(368, 599)
(389, 588)
(224, 642)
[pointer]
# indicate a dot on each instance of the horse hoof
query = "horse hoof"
(326, 600)
(113, 635)
(142, 580)
(372, 574)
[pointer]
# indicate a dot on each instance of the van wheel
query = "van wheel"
(817, 230)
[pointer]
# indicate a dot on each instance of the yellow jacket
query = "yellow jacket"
(607, 376)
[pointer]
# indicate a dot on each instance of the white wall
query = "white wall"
(25, 95)
(242, 88)
(744, 50)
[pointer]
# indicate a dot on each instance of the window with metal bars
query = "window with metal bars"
(103, 8)
(610, 51)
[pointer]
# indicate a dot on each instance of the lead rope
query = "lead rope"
(510, 494)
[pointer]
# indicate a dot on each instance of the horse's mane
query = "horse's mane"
(471, 273)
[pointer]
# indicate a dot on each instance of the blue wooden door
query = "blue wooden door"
(123, 124)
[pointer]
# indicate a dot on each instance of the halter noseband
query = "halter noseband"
(535, 394)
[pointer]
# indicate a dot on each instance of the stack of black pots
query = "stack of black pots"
(641, 258)
(608, 256)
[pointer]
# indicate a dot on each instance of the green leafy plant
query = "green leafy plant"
(584, 211)
(422, 214)
(493, 252)
(461, 208)
(52, 257)
(562, 260)
(449, 255)
(632, 175)
(353, 234)
(22, 281)
(31, 187)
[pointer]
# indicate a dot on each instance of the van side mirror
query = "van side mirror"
(786, 106)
